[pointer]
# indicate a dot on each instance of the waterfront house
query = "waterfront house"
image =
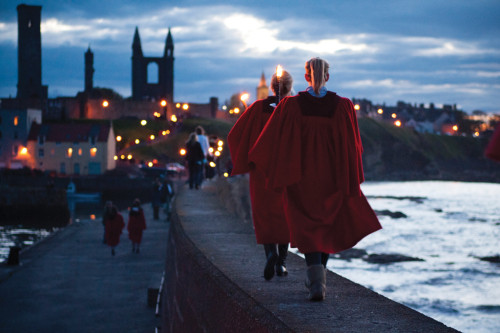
(72, 149)
(15, 125)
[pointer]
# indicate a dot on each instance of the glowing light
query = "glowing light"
(455, 128)
(69, 152)
(93, 151)
(157, 114)
(476, 134)
(236, 110)
(115, 158)
(144, 122)
(80, 151)
(151, 137)
(150, 164)
(212, 164)
(226, 174)
(16, 120)
(178, 105)
(92, 216)
(220, 143)
(224, 107)
(173, 118)
(23, 151)
(219, 148)
(394, 115)
(210, 149)
(122, 157)
(397, 123)
(244, 97)
(185, 107)
(356, 107)
(118, 138)
(163, 103)
(164, 133)
(182, 152)
(380, 111)
(231, 111)
(155, 161)
(217, 153)
(129, 156)
(137, 141)
(105, 103)
(279, 71)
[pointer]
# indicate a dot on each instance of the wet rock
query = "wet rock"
(350, 254)
(494, 259)
(388, 258)
(394, 215)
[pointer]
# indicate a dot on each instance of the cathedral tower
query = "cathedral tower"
(262, 89)
(29, 85)
(162, 86)
(89, 70)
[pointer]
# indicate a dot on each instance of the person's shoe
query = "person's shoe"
(280, 264)
(272, 258)
(316, 282)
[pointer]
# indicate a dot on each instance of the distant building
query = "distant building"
(14, 128)
(262, 88)
(72, 149)
(30, 91)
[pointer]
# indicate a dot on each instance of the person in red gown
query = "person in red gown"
(493, 148)
(310, 149)
(136, 225)
(268, 215)
(113, 226)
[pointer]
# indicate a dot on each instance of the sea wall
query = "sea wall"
(214, 283)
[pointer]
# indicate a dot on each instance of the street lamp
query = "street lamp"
(163, 103)
(244, 97)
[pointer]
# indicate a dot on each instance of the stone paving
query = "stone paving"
(70, 282)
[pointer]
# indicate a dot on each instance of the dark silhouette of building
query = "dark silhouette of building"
(89, 70)
(30, 91)
(163, 86)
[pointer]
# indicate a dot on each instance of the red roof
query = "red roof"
(69, 132)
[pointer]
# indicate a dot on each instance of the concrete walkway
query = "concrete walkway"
(71, 283)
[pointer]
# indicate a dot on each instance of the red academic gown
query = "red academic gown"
(113, 229)
(267, 205)
(493, 148)
(311, 150)
(136, 225)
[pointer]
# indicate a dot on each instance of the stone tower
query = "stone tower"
(29, 68)
(262, 89)
(163, 88)
(89, 70)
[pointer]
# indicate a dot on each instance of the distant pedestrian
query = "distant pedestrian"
(310, 149)
(194, 158)
(271, 229)
(113, 224)
(156, 198)
(168, 195)
(493, 148)
(136, 225)
(205, 146)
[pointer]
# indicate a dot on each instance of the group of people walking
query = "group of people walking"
(114, 224)
(303, 154)
(197, 152)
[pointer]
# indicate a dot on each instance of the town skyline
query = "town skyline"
(403, 54)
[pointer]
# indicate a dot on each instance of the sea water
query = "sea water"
(450, 225)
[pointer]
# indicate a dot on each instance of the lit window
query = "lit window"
(69, 152)
(16, 120)
(93, 151)
(79, 151)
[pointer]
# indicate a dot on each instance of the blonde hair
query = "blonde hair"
(317, 69)
(286, 84)
(192, 138)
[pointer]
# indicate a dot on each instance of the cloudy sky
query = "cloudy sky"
(420, 51)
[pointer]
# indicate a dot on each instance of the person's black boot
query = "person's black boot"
(281, 264)
(271, 259)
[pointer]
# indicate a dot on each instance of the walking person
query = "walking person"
(311, 150)
(268, 215)
(194, 157)
(114, 225)
(136, 225)
(156, 198)
(205, 146)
